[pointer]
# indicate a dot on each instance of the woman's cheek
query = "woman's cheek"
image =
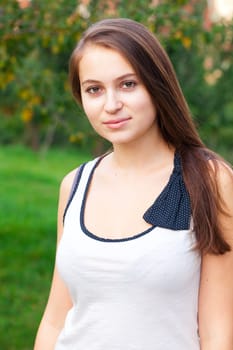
(92, 109)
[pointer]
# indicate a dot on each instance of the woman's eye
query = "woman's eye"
(93, 90)
(128, 84)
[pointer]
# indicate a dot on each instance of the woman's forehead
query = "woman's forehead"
(98, 61)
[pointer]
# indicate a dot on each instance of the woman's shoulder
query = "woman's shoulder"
(224, 180)
(222, 170)
(68, 180)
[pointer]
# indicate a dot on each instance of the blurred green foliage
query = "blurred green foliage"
(36, 42)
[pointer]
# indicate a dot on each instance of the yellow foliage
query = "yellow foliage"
(6, 79)
(13, 59)
(66, 85)
(45, 41)
(25, 94)
(55, 49)
(47, 73)
(35, 100)
(186, 41)
(77, 138)
(61, 38)
(178, 34)
(10, 77)
(26, 115)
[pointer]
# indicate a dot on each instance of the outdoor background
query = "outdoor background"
(44, 134)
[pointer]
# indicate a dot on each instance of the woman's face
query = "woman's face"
(114, 99)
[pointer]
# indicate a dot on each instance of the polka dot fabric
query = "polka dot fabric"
(172, 209)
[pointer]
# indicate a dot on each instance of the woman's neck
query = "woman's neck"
(143, 155)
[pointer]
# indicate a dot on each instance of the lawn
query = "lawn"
(28, 206)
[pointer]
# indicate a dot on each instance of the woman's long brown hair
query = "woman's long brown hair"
(151, 63)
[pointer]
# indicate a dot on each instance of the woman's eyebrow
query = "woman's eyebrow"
(90, 81)
(124, 76)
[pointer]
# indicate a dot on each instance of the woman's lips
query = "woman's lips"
(116, 123)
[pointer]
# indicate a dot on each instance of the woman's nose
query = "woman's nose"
(112, 103)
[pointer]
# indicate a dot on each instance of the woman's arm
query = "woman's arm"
(216, 286)
(59, 301)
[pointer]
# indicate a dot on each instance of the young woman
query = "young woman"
(145, 232)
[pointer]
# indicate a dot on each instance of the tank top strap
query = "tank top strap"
(81, 180)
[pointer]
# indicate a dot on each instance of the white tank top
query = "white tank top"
(138, 293)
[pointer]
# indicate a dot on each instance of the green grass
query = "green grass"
(28, 209)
